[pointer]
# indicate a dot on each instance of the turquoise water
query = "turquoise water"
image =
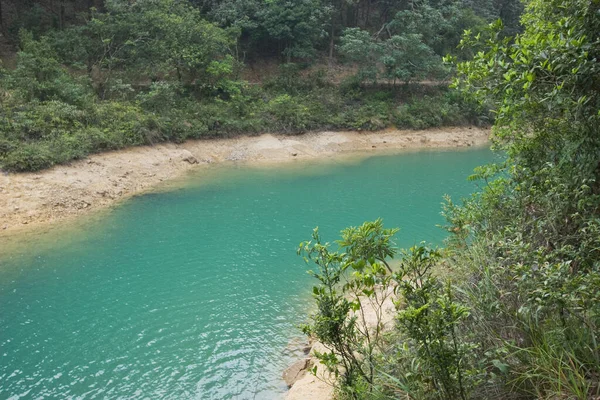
(196, 292)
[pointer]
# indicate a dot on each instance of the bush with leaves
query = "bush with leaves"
(150, 39)
(352, 282)
(357, 280)
(428, 323)
(528, 244)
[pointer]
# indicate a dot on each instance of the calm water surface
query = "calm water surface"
(196, 293)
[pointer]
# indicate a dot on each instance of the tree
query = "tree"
(509, 11)
(352, 282)
(159, 39)
(359, 47)
(543, 85)
(406, 58)
(410, 47)
(297, 25)
(293, 28)
(440, 23)
(39, 75)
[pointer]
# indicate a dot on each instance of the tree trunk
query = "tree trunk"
(331, 39)
(1, 20)
(62, 16)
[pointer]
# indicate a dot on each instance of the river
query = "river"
(197, 292)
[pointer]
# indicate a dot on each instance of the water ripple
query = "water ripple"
(195, 294)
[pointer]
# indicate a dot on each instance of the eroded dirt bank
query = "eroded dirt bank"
(31, 199)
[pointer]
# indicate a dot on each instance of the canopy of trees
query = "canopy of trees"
(93, 76)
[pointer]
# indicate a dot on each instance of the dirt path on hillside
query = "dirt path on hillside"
(47, 197)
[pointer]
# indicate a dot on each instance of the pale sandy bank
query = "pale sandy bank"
(31, 199)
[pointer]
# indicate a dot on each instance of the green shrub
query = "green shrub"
(289, 114)
(428, 322)
(29, 157)
(350, 281)
(370, 117)
(447, 109)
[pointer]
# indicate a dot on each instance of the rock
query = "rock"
(236, 156)
(296, 371)
(188, 157)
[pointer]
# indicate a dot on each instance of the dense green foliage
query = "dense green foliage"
(147, 71)
(66, 120)
(511, 308)
(411, 46)
(351, 282)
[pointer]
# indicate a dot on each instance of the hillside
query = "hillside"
(92, 76)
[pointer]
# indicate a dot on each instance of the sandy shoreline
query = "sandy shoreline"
(30, 200)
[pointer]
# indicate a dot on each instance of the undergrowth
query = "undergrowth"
(50, 115)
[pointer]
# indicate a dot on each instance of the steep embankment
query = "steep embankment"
(65, 191)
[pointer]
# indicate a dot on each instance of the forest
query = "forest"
(509, 308)
(82, 77)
